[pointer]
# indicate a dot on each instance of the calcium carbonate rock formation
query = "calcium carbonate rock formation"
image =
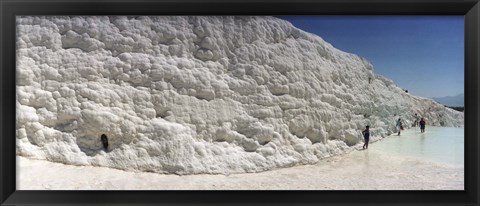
(191, 95)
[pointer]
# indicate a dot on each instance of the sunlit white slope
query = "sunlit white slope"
(192, 95)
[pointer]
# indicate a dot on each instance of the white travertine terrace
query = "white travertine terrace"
(190, 95)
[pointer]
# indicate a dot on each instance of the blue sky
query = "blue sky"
(423, 54)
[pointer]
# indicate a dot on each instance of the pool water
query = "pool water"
(437, 144)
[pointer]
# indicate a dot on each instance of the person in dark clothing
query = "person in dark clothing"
(366, 135)
(422, 125)
(399, 126)
(104, 140)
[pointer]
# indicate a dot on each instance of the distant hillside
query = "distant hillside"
(452, 101)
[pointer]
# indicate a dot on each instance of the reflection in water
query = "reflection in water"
(366, 155)
(422, 143)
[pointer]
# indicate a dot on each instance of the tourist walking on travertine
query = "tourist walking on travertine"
(366, 135)
(417, 120)
(399, 126)
(422, 125)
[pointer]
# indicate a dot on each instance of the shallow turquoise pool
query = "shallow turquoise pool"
(437, 144)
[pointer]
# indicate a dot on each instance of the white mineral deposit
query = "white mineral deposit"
(198, 97)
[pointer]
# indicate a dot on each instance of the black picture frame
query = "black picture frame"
(11, 8)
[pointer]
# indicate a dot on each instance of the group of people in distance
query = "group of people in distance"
(421, 123)
(418, 121)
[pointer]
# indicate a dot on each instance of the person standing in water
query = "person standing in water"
(366, 135)
(399, 126)
(422, 125)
